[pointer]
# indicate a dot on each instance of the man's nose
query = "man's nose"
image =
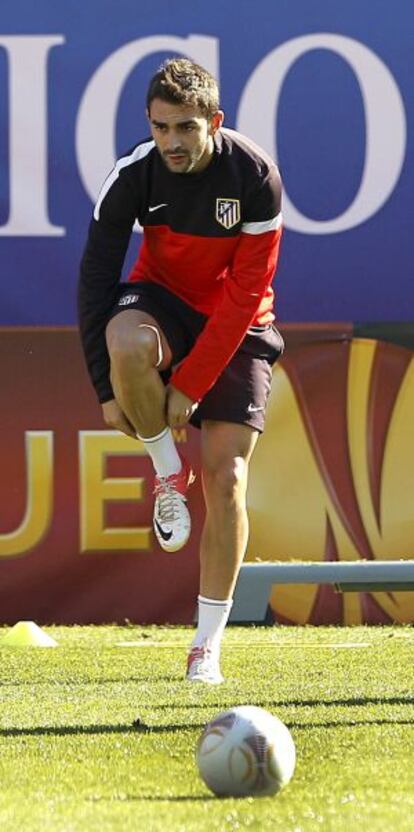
(173, 140)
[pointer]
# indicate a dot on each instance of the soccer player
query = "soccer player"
(190, 337)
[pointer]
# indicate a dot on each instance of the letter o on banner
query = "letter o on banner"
(96, 122)
(384, 117)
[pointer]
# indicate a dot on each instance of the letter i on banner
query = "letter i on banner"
(27, 61)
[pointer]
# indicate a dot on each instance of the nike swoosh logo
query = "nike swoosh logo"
(155, 207)
(252, 409)
(165, 535)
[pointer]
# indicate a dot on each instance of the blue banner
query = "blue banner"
(325, 87)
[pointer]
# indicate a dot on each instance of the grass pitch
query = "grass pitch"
(71, 759)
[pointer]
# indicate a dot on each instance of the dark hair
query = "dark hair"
(180, 81)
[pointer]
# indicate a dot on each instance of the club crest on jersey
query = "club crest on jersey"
(227, 212)
(127, 299)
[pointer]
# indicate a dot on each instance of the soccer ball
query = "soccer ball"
(245, 751)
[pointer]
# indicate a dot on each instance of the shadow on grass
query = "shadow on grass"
(180, 798)
(303, 703)
(70, 730)
(87, 680)
(142, 728)
(351, 723)
(351, 702)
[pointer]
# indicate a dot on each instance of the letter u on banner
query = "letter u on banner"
(39, 501)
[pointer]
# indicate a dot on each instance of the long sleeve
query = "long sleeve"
(100, 272)
(251, 273)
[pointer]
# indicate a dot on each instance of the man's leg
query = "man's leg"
(138, 349)
(226, 452)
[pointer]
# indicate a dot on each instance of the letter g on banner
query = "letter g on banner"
(384, 117)
(96, 123)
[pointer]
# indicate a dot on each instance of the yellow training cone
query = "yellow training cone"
(27, 634)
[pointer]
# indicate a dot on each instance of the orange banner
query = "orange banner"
(331, 479)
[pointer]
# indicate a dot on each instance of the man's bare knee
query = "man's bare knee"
(136, 347)
(226, 481)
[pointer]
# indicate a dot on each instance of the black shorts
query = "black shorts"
(241, 391)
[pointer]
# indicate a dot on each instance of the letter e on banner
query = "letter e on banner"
(96, 489)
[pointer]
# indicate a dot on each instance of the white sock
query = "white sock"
(212, 619)
(161, 448)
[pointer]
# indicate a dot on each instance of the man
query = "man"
(190, 337)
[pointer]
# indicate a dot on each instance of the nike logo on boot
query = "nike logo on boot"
(164, 535)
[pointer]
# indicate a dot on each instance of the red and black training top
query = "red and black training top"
(212, 238)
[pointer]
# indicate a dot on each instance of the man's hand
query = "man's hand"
(179, 407)
(115, 418)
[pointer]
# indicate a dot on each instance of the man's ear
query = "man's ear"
(217, 121)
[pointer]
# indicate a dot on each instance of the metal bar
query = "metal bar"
(375, 586)
(334, 571)
(257, 579)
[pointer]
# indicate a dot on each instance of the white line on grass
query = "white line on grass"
(352, 645)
